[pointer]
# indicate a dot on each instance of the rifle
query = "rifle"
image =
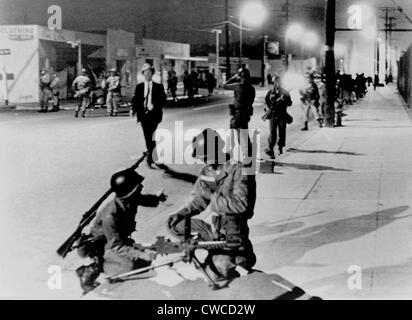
(186, 249)
(87, 217)
(269, 111)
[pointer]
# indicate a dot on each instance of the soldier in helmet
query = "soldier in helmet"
(242, 108)
(109, 242)
(82, 85)
(231, 193)
(310, 98)
(113, 93)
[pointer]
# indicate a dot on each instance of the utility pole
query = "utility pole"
(388, 31)
(227, 49)
(330, 7)
(217, 71)
(286, 8)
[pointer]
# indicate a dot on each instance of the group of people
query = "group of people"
(110, 88)
(193, 80)
(49, 91)
(221, 184)
(352, 89)
(85, 87)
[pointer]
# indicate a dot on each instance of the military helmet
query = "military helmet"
(124, 183)
(207, 145)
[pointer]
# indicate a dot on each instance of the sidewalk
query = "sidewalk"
(341, 201)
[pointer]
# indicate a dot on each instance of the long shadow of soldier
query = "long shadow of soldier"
(290, 248)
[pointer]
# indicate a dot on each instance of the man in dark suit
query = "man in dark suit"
(147, 103)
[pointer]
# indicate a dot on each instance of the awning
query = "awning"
(186, 58)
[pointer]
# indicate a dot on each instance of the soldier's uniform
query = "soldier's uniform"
(54, 85)
(113, 94)
(277, 101)
(240, 111)
(231, 194)
(82, 84)
(114, 224)
(310, 98)
(45, 91)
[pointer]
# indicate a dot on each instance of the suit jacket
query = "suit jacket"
(158, 100)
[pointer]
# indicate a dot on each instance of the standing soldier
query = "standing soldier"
(113, 93)
(172, 84)
(82, 86)
(310, 98)
(147, 104)
(109, 242)
(242, 108)
(186, 83)
(45, 91)
(54, 85)
(231, 194)
(277, 100)
(211, 82)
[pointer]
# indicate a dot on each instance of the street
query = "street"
(56, 166)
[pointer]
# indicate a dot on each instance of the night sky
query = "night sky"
(179, 20)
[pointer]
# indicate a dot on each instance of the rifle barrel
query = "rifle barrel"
(66, 247)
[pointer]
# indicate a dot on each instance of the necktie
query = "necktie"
(147, 96)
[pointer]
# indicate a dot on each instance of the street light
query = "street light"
(218, 32)
(294, 32)
(253, 14)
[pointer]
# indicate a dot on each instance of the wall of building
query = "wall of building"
(405, 76)
(22, 63)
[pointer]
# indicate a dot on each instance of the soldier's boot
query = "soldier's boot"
(305, 126)
(76, 114)
(320, 121)
(88, 275)
(84, 114)
(41, 108)
(270, 153)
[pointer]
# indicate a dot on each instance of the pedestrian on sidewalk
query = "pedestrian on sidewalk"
(277, 100)
(310, 100)
(54, 86)
(147, 104)
(82, 85)
(241, 110)
(45, 90)
(113, 93)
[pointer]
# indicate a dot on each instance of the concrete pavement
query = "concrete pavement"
(336, 216)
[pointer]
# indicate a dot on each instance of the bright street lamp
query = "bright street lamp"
(294, 32)
(253, 13)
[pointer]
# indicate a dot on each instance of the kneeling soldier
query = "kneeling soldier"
(109, 242)
(232, 195)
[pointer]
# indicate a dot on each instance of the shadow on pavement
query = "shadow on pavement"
(327, 152)
(311, 167)
(289, 248)
(183, 176)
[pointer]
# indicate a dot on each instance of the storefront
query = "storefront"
(34, 47)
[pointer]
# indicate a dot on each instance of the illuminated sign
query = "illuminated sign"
(355, 17)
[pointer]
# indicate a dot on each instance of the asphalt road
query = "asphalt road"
(53, 167)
